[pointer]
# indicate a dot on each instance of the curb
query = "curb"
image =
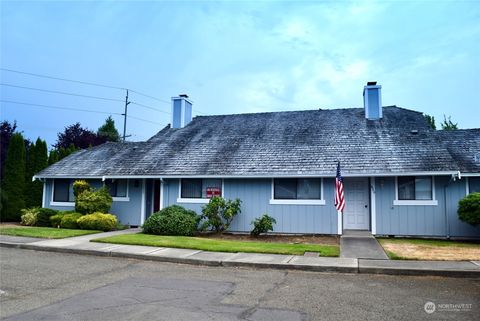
(279, 266)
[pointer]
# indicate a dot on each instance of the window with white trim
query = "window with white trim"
(473, 185)
(117, 187)
(415, 188)
(297, 189)
(200, 188)
(63, 190)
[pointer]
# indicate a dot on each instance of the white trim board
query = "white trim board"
(373, 206)
(325, 175)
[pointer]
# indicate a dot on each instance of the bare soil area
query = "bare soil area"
(276, 238)
(429, 252)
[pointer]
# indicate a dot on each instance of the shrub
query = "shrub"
(219, 213)
(98, 221)
(262, 225)
(469, 209)
(172, 220)
(70, 220)
(29, 216)
(56, 220)
(44, 215)
(80, 186)
(90, 201)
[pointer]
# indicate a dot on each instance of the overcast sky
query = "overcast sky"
(235, 57)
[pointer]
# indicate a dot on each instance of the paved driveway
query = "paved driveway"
(54, 286)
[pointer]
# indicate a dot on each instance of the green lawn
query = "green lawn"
(215, 245)
(43, 232)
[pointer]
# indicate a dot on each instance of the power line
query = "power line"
(61, 92)
(151, 97)
(59, 107)
(74, 109)
(150, 107)
(62, 79)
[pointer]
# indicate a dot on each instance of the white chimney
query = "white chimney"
(372, 100)
(181, 111)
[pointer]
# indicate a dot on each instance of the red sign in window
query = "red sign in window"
(213, 191)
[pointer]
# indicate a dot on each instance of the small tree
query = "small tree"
(469, 209)
(431, 121)
(108, 131)
(219, 213)
(13, 185)
(448, 124)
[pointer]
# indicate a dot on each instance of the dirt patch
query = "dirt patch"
(429, 252)
(293, 239)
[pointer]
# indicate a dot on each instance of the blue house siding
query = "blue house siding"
(255, 195)
(422, 220)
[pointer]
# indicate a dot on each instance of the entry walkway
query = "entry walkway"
(360, 245)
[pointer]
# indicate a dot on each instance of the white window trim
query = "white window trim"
(122, 198)
(194, 200)
(53, 203)
(274, 201)
(432, 202)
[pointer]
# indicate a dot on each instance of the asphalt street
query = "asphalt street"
(53, 286)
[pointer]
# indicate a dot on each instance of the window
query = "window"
(297, 191)
(117, 187)
(473, 185)
(297, 188)
(415, 190)
(199, 189)
(63, 190)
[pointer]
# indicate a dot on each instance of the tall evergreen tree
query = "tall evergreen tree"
(38, 160)
(6, 132)
(108, 131)
(13, 185)
(430, 120)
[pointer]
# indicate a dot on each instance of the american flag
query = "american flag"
(339, 196)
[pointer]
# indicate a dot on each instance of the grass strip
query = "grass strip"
(43, 232)
(215, 245)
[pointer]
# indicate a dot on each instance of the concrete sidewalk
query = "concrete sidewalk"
(82, 245)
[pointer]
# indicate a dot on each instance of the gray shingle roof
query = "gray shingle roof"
(464, 146)
(280, 143)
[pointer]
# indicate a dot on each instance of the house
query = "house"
(400, 176)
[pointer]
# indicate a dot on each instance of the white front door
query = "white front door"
(355, 215)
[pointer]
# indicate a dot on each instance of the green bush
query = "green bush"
(29, 216)
(80, 187)
(98, 221)
(90, 201)
(44, 215)
(262, 225)
(70, 220)
(172, 220)
(469, 209)
(219, 213)
(57, 219)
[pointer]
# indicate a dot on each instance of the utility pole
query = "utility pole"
(125, 117)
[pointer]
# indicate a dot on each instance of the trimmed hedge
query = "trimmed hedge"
(56, 220)
(43, 218)
(70, 220)
(98, 221)
(172, 220)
